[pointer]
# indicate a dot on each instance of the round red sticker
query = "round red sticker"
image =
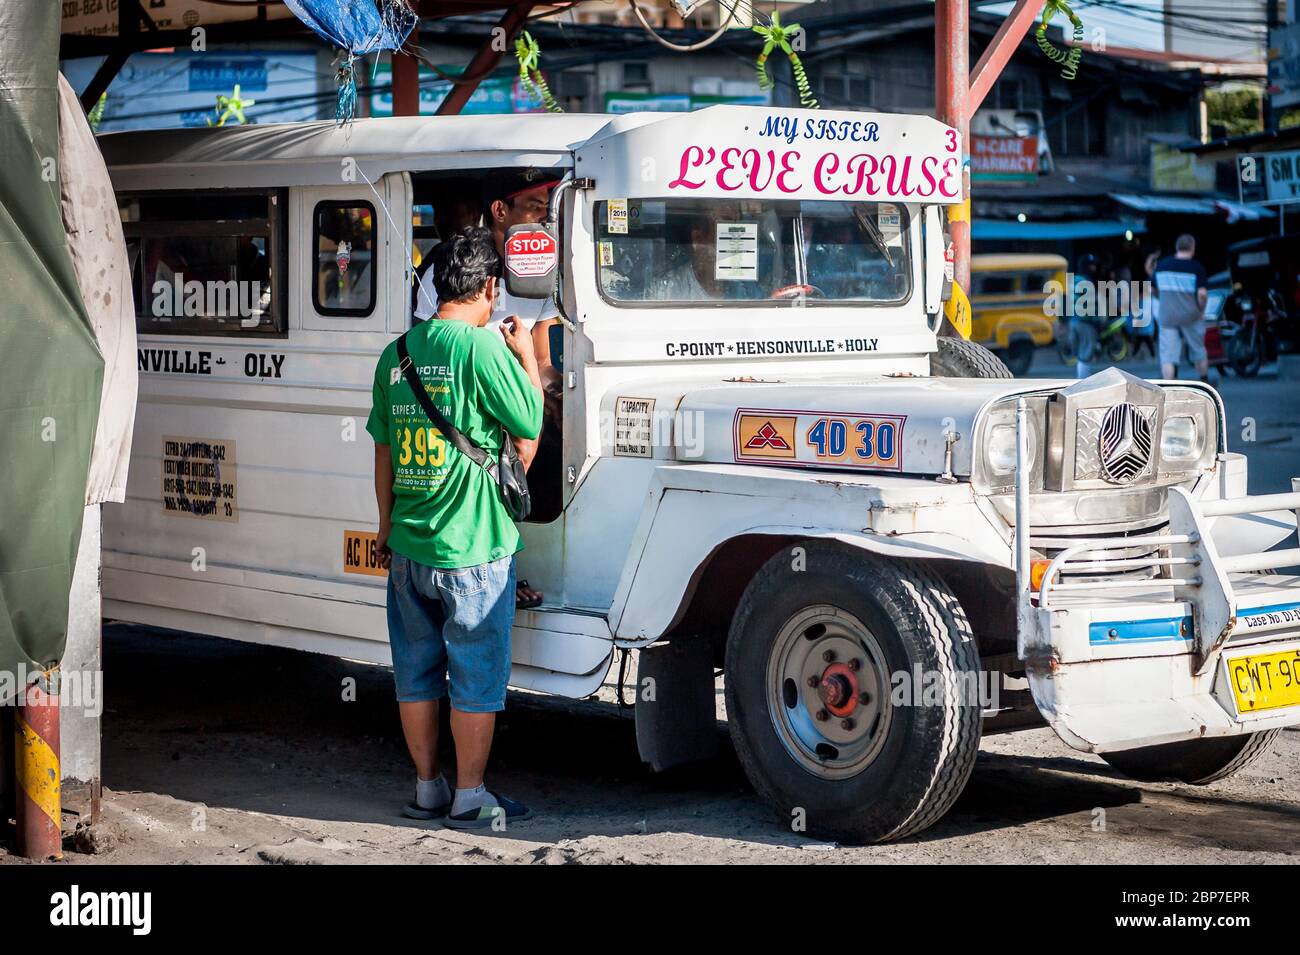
(531, 253)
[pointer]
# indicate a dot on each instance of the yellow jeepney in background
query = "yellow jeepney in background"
(1007, 294)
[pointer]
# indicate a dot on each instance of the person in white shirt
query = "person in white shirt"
(512, 196)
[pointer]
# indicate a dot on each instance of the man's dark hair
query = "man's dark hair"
(1185, 243)
(463, 263)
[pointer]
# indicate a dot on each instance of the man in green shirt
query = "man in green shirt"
(444, 533)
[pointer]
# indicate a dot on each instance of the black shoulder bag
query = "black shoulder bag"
(507, 470)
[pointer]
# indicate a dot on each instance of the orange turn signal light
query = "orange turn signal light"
(1037, 571)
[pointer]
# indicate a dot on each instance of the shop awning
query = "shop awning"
(1075, 229)
(1192, 206)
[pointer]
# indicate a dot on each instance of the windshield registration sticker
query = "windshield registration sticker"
(737, 252)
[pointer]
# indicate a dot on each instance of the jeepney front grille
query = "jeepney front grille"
(1051, 541)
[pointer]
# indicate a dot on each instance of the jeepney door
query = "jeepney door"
(353, 267)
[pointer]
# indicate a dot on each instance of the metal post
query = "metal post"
(36, 769)
(406, 77)
(952, 88)
(1024, 607)
(486, 59)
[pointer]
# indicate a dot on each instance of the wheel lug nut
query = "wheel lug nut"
(864, 698)
(814, 681)
(855, 664)
(847, 724)
(822, 716)
(829, 656)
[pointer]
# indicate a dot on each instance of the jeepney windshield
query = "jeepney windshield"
(750, 251)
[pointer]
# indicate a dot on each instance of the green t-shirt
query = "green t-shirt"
(447, 511)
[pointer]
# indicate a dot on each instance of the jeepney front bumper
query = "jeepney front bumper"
(1205, 645)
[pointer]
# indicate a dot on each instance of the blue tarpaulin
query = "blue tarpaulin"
(358, 26)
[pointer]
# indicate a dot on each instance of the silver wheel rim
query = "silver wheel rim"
(828, 692)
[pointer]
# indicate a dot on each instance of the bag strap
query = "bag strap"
(453, 434)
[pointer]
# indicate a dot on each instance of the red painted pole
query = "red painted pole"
(406, 78)
(487, 57)
(36, 769)
(952, 89)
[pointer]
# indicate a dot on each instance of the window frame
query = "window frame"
(314, 250)
(597, 215)
(277, 252)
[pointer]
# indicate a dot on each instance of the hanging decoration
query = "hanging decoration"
(776, 35)
(1067, 60)
(359, 28)
(228, 106)
(529, 55)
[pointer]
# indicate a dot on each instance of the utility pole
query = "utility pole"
(959, 91)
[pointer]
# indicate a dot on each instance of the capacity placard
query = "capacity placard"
(199, 478)
(361, 553)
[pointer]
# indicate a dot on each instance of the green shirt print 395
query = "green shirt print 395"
(447, 511)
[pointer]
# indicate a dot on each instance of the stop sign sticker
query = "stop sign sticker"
(531, 254)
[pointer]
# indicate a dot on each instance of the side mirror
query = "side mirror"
(938, 275)
(532, 257)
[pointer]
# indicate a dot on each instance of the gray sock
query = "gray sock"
(468, 800)
(432, 793)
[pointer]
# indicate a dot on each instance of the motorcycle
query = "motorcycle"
(1113, 342)
(1251, 341)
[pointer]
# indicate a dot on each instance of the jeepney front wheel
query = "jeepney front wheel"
(849, 692)
(1196, 761)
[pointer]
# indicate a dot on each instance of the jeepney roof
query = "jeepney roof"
(724, 150)
(310, 153)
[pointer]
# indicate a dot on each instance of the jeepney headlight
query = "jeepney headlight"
(1180, 439)
(1000, 452)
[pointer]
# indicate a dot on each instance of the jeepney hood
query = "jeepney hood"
(887, 424)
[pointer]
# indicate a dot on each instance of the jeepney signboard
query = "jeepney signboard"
(100, 17)
(755, 152)
(199, 478)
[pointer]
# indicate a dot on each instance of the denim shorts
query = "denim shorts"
(452, 625)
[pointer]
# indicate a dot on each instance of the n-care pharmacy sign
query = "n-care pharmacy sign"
(1269, 177)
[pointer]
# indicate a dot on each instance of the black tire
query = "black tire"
(1117, 347)
(958, 358)
(1065, 349)
(1018, 356)
(1246, 358)
(1197, 761)
(924, 753)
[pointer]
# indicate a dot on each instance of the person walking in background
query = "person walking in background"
(1085, 323)
(1182, 289)
(1143, 326)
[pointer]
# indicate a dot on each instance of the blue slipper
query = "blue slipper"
(483, 816)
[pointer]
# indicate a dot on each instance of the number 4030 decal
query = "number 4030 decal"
(852, 440)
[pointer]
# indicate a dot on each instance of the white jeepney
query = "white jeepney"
(771, 464)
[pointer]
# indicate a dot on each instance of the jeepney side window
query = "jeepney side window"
(993, 283)
(346, 278)
(1035, 283)
(206, 263)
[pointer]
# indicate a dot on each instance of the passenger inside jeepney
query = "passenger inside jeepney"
(752, 251)
(510, 197)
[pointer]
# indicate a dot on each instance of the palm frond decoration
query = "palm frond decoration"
(775, 35)
(1068, 60)
(529, 55)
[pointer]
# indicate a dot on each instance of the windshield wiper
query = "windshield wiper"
(872, 231)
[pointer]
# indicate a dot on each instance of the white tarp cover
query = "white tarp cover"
(98, 250)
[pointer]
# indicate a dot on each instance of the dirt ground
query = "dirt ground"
(219, 752)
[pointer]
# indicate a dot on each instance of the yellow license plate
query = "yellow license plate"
(1265, 681)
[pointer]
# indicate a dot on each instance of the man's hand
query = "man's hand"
(518, 339)
(384, 553)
